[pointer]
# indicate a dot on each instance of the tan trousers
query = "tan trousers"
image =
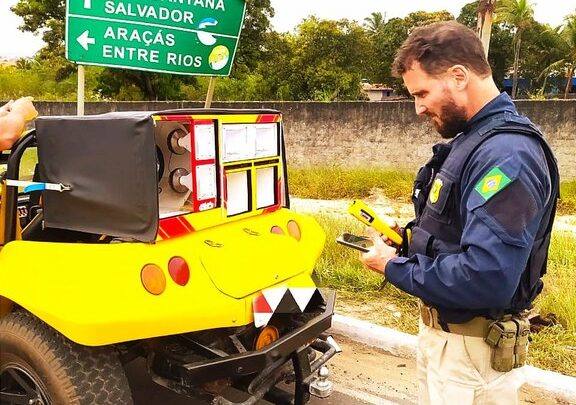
(455, 369)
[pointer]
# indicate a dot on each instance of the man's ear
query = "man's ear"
(460, 75)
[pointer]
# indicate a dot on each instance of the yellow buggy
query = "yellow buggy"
(165, 236)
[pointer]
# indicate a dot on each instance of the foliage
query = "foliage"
(47, 17)
(126, 84)
(565, 47)
(375, 23)
(40, 80)
(252, 40)
(328, 60)
(387, 40)
(323, 60)
(499, 56)
(520, 15)
(542, 47)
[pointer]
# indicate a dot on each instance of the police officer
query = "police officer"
(13, 118)
(484, 206)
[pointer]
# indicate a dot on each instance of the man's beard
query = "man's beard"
(452, 120)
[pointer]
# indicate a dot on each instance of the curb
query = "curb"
(403, 345)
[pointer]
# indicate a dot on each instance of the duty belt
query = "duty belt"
(476, 327)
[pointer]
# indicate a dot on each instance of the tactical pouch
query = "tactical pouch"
(522, 338)
(502, 338)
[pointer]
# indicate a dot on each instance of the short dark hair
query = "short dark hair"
(439, 46)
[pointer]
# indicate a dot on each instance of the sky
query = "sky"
(289, 13)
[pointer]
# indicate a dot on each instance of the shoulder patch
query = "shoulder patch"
(493, 182)
(435, 191)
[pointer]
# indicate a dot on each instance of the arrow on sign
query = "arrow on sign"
(88, 4)
(85, 40)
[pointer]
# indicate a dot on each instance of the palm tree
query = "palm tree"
(519, 14)
(375, 22)
(567, 34)
(485, 17)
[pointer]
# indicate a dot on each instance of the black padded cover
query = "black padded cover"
(109, 161)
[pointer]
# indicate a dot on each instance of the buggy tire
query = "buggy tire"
(37, 360)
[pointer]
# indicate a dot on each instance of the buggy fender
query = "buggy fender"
(93, 293)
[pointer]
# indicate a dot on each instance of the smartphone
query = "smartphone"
(361, 243)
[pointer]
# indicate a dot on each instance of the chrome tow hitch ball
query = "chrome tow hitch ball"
(321, 387)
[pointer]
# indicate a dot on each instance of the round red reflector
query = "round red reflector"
(179, 270)
(294, 230)
(153, 279)
(277, 230)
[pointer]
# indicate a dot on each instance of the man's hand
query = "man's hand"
(24, 107)
(13, 118)
(379, 254)
(5, 109)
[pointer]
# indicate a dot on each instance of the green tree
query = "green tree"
(329, 60)
(375, 22)
(542, 46)
(48, 18)
(127, 85)
(420, 18)
(390, 38)
(520, 15)
(499, 56)
(567, 35)
(276, 67)
(253, 38)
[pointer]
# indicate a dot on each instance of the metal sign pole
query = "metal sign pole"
(81, 81)
(210, 92)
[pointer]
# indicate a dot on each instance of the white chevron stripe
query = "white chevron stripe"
(262, 318)
(274, 296)
(302, 296)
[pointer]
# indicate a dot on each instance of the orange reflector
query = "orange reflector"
(179, 271)
(277, 230)
(268, 335)
(153, 279)
(294, 230)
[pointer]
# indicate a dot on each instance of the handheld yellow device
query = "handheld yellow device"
(366, 215)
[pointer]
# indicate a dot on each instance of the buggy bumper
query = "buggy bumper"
(285, 359)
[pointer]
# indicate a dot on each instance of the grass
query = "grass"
(559, 295)
(567, 203)
(359, 294)
(319, 183)
(329, 183)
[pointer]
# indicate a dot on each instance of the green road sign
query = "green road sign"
(194, 37)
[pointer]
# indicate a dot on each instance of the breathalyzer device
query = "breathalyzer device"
(366, 215)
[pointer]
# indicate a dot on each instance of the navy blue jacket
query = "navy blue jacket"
(497, 237)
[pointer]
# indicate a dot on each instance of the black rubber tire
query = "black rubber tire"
(67, 373)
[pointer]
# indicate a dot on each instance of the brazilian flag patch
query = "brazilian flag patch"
(492, 183)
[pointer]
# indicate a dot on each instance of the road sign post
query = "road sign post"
(194, 37)
(81, 81)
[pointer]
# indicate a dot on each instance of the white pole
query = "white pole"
(81, 80)
(210, 92)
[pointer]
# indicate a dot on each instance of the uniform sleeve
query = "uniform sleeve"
(505, 188)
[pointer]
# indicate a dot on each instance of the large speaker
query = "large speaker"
(186, 166)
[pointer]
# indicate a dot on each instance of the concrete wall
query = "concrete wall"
(378, 134)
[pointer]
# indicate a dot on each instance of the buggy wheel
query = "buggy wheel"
(39, 366)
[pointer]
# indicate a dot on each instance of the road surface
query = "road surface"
(361, 374)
